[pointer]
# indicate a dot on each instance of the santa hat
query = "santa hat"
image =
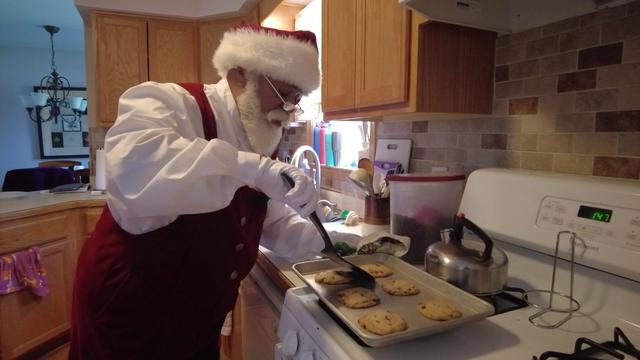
(289, 56)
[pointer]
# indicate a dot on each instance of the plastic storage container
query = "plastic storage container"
(421, 206)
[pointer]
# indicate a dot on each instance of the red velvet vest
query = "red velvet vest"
(164, 294)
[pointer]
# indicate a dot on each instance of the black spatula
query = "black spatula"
(358, 276)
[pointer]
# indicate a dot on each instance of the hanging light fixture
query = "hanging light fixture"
(49, 102)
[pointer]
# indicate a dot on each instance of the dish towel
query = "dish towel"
(23, 269)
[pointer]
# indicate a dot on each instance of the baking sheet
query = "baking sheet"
(471, 307)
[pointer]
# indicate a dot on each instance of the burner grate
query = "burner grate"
(587, 349)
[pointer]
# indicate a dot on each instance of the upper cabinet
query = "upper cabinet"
(364, 55)
(173, 51)
(124, 51)
(118, 61)
(382, 47)
(455, 69)
(338, 55)
(381, 59)
(210, 34)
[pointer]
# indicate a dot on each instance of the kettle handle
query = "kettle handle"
(455, 238)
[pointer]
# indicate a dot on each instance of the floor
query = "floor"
(61, 353)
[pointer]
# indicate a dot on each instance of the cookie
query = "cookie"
(437, 309)
(399, 287)
(358, 298)
(332, 277)
(377, 270)
(382, 322)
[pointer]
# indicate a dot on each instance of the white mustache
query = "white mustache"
(279, 115)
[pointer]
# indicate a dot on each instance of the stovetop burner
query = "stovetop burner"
(586, 349)
(504, 302)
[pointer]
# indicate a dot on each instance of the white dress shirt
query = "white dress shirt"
(159, 165)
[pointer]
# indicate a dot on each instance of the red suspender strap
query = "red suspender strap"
(208, 121)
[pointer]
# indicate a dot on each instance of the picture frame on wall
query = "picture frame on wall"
(60, 139)
(72, 127)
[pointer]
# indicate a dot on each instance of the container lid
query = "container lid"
(427, 177)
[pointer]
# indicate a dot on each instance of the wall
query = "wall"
(292, 138)
(282, 17)
(567, 99)
(20, 70)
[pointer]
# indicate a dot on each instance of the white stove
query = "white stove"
(522, 211)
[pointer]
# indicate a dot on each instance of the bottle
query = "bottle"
(329, 148)
(322, 150)
(316, 139)
(336, 147)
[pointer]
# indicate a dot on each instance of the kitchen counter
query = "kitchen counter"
(38, 203)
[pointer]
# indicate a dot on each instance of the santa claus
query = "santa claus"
(192, 190)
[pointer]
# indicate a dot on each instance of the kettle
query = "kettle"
(477, 267)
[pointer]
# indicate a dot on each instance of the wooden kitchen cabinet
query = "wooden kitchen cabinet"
(380, 59)
(382, 49)
(128, 50)
(365, 51)
(31, 325)
(173, 51)
(88, 219)
(120, 61)
(26, 320)
(338, 55)
(210, 33)
(255, 324)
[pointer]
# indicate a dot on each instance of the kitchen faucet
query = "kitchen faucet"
(300, 161)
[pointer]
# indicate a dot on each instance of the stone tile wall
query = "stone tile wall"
(291, 140)
(567, 99)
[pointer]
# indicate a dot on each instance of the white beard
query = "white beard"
(264, 130)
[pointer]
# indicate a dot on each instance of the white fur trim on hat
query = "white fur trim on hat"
(282, 58)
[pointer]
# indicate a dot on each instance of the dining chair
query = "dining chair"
(69, 164)
(39, 178)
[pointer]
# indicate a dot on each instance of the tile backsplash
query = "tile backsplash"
(567, 99)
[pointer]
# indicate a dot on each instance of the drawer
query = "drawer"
(23, 233)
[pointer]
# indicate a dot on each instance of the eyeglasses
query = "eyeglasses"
(287, 106)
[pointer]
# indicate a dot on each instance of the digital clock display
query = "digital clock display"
(596, 214)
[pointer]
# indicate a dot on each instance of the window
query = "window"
(344, 142)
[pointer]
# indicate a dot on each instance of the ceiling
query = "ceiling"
(21, 24)
(21, 21)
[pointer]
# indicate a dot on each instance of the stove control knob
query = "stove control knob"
(290, 343)
(307, 356)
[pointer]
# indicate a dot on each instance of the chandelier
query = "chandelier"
(50, 102)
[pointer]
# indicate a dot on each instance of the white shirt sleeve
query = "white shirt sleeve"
(159, 165)
(289, 235)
